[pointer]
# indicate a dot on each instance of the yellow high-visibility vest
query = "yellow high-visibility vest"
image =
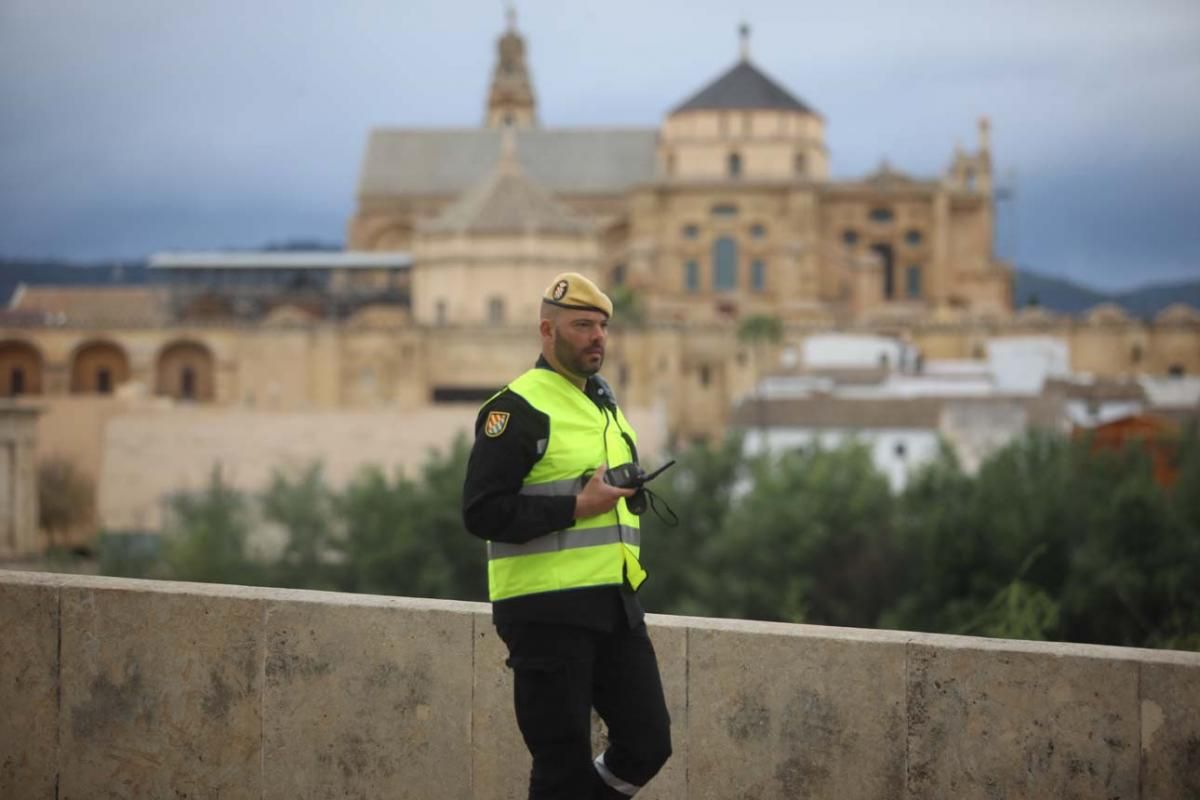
(597, 551)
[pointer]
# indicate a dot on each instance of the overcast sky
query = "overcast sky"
(133, 126)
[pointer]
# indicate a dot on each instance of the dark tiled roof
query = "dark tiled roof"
(100, 306)
(827, 412)
(564, 161)
(507, 201)
(743, 87)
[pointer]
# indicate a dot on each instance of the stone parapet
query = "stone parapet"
(123, 688)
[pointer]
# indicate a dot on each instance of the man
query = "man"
(563, 566)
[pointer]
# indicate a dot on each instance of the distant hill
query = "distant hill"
(1030, 288)
(1067, 297)
(15, 271)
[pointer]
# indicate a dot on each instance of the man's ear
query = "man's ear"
(546, 327)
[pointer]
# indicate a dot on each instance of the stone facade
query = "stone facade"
(131, 689)
(725, 210)
(18, 484)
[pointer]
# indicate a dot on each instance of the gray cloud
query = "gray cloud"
(132, 126)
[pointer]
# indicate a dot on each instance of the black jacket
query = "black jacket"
(494, 509)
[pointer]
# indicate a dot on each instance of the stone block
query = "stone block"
(1170, 723)
(670, 644)
(988, 720)
(775, 711)
(366, 698)
(499, 759)
(28, 689)
(160, 692)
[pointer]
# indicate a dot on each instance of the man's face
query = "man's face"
(579, 338)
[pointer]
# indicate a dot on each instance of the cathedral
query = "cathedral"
(722, 215)
(724, 210)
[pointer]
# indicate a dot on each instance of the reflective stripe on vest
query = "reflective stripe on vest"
(596, 551)
(567, 540)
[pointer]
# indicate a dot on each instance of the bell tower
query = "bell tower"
(510, 101)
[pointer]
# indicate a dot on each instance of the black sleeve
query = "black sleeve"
(493, 507)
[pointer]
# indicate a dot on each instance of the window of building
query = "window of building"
(799, 165)
(187, 384)
(439, 312)
(691, 231)
(912, 281)
(724, 258)
(901, 450)
(618, 275)
(623, 375)
(758, 275)
(1175, 370)
(724, 211)
(705, 375)
(850, 237)
(1135, 354)
(735, 165)
(758, 232)
(881, 215)
(17, 380)
(691, 276)
(104, 380)
(671, 164)
(913, 237)
(496, 310)
(884, 251)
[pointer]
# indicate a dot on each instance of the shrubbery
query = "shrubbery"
(1050, 540)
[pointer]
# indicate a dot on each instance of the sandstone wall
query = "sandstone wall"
(151, 453)
(132, 689)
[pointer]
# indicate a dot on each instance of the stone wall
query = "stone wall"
(116, 688)
(151, 453)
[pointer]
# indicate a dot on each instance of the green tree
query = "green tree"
(627, 307)
(207, 533)
(684, 561)
(810, 541)
(406, 537)
(66, 498)
(302, 505)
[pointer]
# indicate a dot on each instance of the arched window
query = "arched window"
(496, 310)
(758, 275)
(912, 280)
(20, 369)
(724, 258)
(735, 165)
(187, 383)
(186, 371)
(98, 367)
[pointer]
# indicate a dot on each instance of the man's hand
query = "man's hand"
(597, 496)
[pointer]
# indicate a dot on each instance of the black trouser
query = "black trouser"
(560, 672)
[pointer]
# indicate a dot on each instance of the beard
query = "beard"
(578, 361)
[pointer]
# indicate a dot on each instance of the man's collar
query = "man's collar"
(592, 387)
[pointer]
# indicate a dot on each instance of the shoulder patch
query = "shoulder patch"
(497, 422)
